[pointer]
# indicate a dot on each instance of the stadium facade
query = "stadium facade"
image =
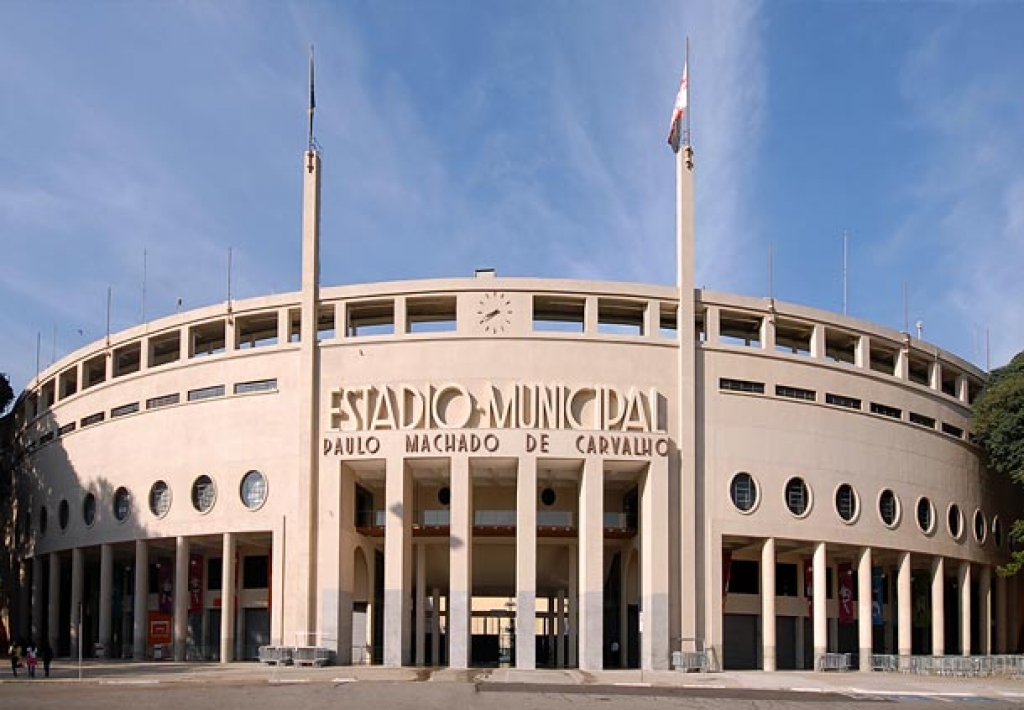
(520, 471)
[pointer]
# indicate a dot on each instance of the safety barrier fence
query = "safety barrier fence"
(957, 666)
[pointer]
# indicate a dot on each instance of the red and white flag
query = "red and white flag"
(679, 111)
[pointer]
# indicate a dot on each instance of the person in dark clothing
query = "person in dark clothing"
(15, 652)
(46, 653)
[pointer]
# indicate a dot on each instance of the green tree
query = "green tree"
(999, 426)
(6, 393)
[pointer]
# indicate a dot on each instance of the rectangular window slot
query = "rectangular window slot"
(256, 386)
(206, 393)
(973, 390)
(371, 318)
(840, 346)
(741, 386)
(47, 395)
(615, 317)
(922, 420)
(164, 348)
(740, 329)
(325, 328)
(792, 337)
(949, 378)
(430, 315)
(68, 382)
(883, 360)
(558, 313)
(886, 411)
(124, 409)
(294, 325)
(94, 371)
(795, 393)
(842, 401)
(667, 320)
(214, 573)
(46, 438)
(93, 419)
(255, 572)
(785, 579)
(127, 359)
(207, 339)
(67, 429)
(744, 577)
(163, 401)
(917, 370)
(256, 331)
(952, 430)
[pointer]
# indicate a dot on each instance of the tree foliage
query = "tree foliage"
(6, 393)
(999, 427)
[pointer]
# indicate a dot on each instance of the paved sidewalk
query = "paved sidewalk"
(851, 684)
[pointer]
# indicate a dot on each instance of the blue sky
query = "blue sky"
(524, 136)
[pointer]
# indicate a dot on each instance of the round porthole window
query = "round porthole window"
(743, 491)
(980, 527)
(444, 496)
(204, 494)
(889, 508)
(925, 515)
(955, 521)
(548, 497)
(63, 513)
(159, 499)
(254, 490)
(847, 505)
(89, 509)
(798, 496)
(122, 504)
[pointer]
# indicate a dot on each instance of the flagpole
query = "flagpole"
(689, 109)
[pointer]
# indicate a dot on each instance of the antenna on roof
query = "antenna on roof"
(312, 106)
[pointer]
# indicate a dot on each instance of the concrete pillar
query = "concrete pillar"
(591, 566)
(938, 606)
(421, 605)
(460, 564)
(768, 605)
(181, 597)
(904, 599)
(768, 331)
(36, 626)
(106, 600)
(560, 630)
(862, 353)
(654, 572)
(398, 562)
(1001, 616)
(526, 563)
(77, 581)
(53, 611)
(140, 601)
(435, 628)
(985, 609)
(818, 342)
(864, 640)
(227, 598)
(964, 580)
(819, 604)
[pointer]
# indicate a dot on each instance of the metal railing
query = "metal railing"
(955, 666)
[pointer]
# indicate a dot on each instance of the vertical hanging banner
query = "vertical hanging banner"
(845, 593)
(877, 580)
(809, 586)
(195, 584)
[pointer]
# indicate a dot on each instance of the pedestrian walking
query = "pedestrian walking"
(47, 654)
(15, 653)
(31, 659)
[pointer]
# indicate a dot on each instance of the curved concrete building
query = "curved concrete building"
(532, 472)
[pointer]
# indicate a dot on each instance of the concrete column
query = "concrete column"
(591, 566)
(768, 605)
(963, 390)
(862, 353)
(186, 343)
(864, 644)
(985, 609)
(935, 375)
(227, 598)
(819, 602)
(421, 605)
(768, 331)
(654, 572)
(818, 342)
(904, 616)
(435, 629)
(230, 334)
(903, 361)
(1001, 617)
(397, 562)
(938, 606)
(106, 600)
(590, 320)
(77, 580)
(181, 597)
(560, 630)
(140, 601)
(526, 564)
(53, 612)
(36, 626)
(964, 579)
(460, 564)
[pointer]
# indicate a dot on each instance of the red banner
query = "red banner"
(845, 593)
(195, 583)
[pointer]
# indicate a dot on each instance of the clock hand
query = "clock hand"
(492, 314)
